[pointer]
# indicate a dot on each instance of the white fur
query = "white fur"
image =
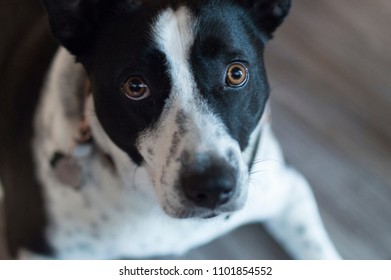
(117, 214)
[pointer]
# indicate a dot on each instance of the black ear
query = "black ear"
(268, 14)
(72, 22)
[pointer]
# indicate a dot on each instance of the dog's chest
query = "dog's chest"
(107, 219)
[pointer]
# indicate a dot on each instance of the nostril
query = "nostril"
(209, 191)
(201, 197)
(209, 198)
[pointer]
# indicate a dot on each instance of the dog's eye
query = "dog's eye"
(136, 89)
(237, 75)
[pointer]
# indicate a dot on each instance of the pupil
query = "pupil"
(136, 86)
(237, 73)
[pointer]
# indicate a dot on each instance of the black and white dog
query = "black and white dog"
(175, 131)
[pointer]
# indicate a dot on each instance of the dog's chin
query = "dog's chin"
(186, 214)
(200, 213)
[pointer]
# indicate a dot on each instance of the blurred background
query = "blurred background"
(330, 71)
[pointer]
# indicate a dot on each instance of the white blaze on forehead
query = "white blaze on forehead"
(173, 33)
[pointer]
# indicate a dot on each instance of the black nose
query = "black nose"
(209, 187)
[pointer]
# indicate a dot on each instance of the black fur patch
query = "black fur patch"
(225, 36)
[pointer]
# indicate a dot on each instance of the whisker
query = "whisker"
(265, 166)
(258, 161)
(262, 171)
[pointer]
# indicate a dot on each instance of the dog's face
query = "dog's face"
(179, 86)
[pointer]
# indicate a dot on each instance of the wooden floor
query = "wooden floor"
(330, 71)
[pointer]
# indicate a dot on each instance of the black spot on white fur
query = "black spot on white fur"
(150, 152)
(181, 121)
(301, 230)
(104, 217)
(231, 156)
(175, 140)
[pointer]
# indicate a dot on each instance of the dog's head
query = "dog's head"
(179, 86)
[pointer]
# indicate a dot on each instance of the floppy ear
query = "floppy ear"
(268, 14)
(72, 22)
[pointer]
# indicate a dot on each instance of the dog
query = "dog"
(152, 135)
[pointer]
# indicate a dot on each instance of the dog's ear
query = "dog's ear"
(268, 14)
(72, 22)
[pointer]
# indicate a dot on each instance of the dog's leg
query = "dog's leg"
(293, 218)
(298, 226)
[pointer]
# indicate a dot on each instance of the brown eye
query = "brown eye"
(237, 75)
(136, 89)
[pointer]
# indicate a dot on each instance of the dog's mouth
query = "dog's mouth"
(210, 216)
(197, 213)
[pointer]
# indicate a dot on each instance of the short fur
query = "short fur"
(163, 174)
